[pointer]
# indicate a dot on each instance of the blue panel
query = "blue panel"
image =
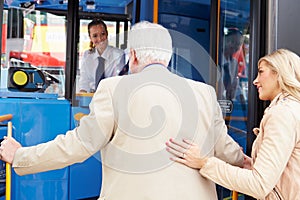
(146, 10)
(188, 60)
(17, 94)
(103, 6)
(195, 9)
(238, 125)
(86, 177)
(35, 121)
(196, 29)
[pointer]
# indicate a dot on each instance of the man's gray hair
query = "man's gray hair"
(152, 42)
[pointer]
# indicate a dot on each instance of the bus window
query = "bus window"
(232, 86)
(33, 58)
(234, 54)
(3, 72)
(116, 37)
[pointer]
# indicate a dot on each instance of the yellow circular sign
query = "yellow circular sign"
(20, 78)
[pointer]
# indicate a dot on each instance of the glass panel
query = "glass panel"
(3, 78)
(33, 53)
(232, 87)
(114, 40)
(190, 37)
(234, 56)
(86, 57)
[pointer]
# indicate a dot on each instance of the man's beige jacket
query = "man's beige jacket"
(131, 118)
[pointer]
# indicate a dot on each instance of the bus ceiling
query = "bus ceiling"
(103, 6)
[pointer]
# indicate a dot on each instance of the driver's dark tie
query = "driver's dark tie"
(100, 72)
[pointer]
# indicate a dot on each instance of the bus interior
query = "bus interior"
(42, 45)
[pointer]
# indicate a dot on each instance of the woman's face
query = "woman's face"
(266, 82)
(98, 36)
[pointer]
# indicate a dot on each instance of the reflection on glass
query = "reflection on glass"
(80, 107)
(232, 87)
(233, 65)
(234, 62)
(33, 57)
(114, 40)
(3, 78)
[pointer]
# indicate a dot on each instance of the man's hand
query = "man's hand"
(8, 149)
(248, 163)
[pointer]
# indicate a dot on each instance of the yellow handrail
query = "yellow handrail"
(8, 167)
(235, 195)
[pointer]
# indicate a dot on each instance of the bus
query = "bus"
(45, 39)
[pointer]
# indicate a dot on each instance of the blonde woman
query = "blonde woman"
(274, 170)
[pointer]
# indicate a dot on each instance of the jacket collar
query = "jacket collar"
(282, 96)
(154, 66)
(105, 53)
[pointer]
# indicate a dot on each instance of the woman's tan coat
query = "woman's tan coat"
(275, 153)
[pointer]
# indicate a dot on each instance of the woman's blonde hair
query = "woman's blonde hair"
(287, 65)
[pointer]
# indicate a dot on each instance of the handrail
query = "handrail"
(235, 195)
(83, 94)
(155, 11)
(8, 167)
(5, 117)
